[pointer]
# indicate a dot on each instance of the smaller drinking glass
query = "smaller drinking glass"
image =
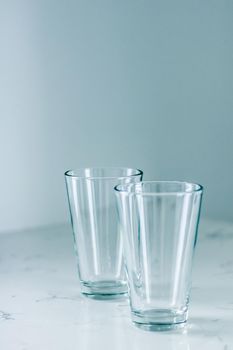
(97, 239)
(159, 221)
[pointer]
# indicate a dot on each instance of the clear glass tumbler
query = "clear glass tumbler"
(97, 239)
(159, 220)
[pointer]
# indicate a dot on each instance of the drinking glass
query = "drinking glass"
(97, 239)
(159, 221)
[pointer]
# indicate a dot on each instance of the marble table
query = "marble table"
(41, 307)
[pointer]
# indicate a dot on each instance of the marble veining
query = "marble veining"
(6, 316)
(41, 307)
(57, 297)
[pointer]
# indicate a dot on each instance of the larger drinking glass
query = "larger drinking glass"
(97, 238)
(159, 220)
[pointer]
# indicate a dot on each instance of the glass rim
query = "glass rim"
(125, 188)
(68, 174)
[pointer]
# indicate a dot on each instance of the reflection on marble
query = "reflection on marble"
(41, 307)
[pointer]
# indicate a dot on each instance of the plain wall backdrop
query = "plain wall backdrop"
(144, 84)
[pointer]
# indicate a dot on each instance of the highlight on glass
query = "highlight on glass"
(97, 239)
(159, 222)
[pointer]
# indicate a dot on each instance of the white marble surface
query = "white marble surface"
(41, 308)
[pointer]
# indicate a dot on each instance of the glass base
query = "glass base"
(104, 290)
(160, 319)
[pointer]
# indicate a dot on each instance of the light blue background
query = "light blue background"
(145, 84)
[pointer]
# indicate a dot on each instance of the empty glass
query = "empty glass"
(159, 220)
(97, 238)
